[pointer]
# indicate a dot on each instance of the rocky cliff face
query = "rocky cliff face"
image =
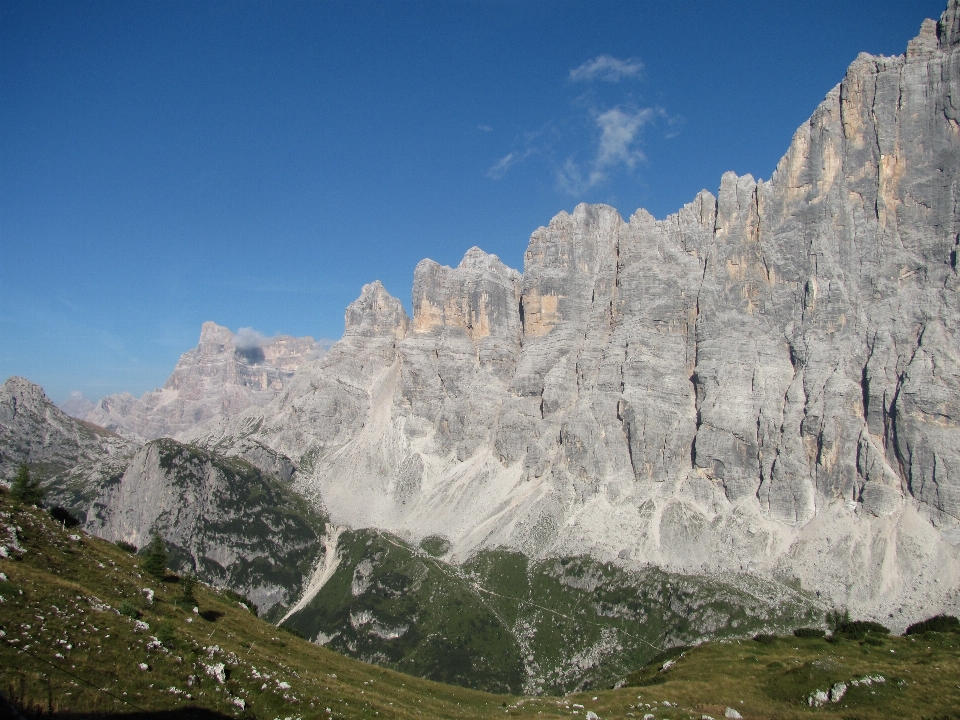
(74, 459)
(220, 517)
(34, 431)
(766, 380)
(223, 375)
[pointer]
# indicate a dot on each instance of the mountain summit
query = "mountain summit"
(224, 374)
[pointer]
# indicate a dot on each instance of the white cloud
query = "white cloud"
(618, 145)
(500, 167)
(249, 339)
(609, 140)
(570, 178)
(618, 133)
(607, 68)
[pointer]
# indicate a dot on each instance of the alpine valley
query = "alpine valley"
(725, 422)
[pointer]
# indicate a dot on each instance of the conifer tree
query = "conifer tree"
(188, 582)
(26, 489)
(155, 557)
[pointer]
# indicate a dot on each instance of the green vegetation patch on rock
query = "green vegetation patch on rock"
(391, 605)
(221, 518)
(503, 622)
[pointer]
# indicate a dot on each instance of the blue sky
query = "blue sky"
(167, 163)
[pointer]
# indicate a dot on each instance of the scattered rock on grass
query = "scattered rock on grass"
(838, 691)
(217, 671)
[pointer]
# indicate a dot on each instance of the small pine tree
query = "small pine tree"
(26, 489)
(155, 557)
(187, 583)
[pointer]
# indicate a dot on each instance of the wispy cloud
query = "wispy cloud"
(484, 128)
(249, 339)
(602, 139)
(618, 135)
(606, 68)
(618, 144)
(500, 167)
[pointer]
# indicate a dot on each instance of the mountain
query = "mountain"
(661, 431)
(496, 623)
(224, 374)
(223, 518)
(35, 431)
(77, 405)
(765, 381)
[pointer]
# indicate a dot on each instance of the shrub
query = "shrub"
(155, 558)
(808, 632)
(841, 624)
(859, 629)
(62, 515)
(765, 639)
(292, 631)
(129, 609)
(25, 488)
(435, 545)
(126, 547)
(836, 618)
(938, 623)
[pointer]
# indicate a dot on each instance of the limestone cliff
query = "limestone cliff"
(223, 375)
(767, 380)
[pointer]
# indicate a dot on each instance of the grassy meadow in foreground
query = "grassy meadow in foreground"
(75, 613)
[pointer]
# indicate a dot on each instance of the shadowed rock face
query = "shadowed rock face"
(220, 517)
(223, 375)
(766, 380)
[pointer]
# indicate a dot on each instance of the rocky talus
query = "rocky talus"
(224, 374)
(765, 381)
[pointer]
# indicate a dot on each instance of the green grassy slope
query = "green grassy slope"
(393, 606)
(61, 630)
(620, 619)
(505, 624)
